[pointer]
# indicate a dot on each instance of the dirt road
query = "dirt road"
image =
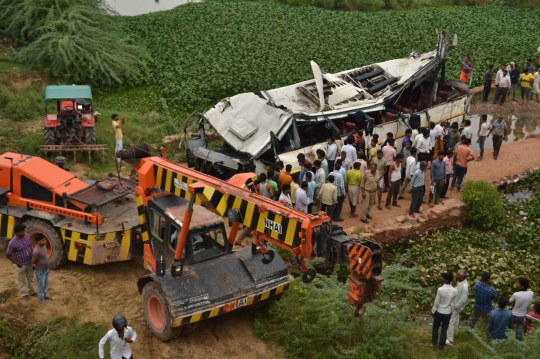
(98, 293)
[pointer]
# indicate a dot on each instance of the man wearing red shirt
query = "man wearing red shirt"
(463, 155)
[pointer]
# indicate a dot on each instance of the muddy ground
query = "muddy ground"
(99, 293)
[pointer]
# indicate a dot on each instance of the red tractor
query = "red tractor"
(75, 118)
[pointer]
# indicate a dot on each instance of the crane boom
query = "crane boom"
(305, 235)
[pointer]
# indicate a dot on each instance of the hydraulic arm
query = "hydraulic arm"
(306, 236)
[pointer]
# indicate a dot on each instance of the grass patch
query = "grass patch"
(60, 338)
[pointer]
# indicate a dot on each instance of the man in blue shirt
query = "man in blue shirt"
(500, 320)
(484, 296)
(417, 183)
(406, 138)
(437, 176)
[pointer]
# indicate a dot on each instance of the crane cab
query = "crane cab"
(207, 238)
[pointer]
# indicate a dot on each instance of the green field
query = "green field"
(203, 52)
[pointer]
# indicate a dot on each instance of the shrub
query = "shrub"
(485, 202)
(315, 321)
(74, 41)
(402, 283)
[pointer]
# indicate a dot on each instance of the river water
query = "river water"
(138, 7)
(517, 129)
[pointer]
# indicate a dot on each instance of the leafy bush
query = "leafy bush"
(315, 321)
(74, 41)
(485, 202)
(368, 5)
(204, 52)
(402, 283)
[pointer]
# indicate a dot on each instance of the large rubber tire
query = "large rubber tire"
(157, 314)
(55, 246)
(90, 136)
(49, 136)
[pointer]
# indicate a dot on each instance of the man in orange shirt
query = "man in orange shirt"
(285, 177)
(463, 155)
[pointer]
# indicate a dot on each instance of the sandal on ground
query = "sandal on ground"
(49, 297)
(44, 302)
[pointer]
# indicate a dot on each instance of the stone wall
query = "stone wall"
(451, 213)
(503, 181)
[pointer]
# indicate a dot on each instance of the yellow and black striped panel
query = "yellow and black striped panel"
(142, 218)
(273, 224)
(227, 307)
(78, 245)
(360, 259)
(7, 225)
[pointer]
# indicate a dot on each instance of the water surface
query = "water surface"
(138, 7)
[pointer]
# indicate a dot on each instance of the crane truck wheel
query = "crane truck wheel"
(90, 136)
(157, 314)
(55, 246)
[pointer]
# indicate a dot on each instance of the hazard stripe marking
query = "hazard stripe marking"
(219, 203)
(227, 307)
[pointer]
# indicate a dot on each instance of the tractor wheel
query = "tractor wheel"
(55, 246)
(157, 314)
(90, 136)
(49, 137)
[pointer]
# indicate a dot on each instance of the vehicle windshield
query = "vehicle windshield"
(208, 244)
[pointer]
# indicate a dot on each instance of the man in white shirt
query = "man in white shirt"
(120, 337)
(520, 302)
(442, 310)
(483, 133)
(422, 145)
(499, 75)
(409, 172)
(462, 294)
(502, 88)
(467, 131)
(285, 196)
(320, 179)
(332, 152)
(349, 149)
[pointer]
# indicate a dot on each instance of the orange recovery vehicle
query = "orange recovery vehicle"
(173, 217)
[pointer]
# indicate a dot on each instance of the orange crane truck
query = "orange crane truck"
(173, 218)
(195, 272)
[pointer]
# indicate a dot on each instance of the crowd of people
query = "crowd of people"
(507, 80)
(450, 302)
(361, 172)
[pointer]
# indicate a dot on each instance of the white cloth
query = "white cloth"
(505, 82)
(522, 301)
(320, 177)
(332, 152)
(396, 174)
(119, 147)
(440, 130)
(462, 294)
(444, 299)
(498, 77)
(422, 145)
(285, 198)
(432, 136)
(467, 131)
(302, 200)
(414, 134)
(411, 167)
(119, 347)
(485, 128)
(350, 151)
(416, 139)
